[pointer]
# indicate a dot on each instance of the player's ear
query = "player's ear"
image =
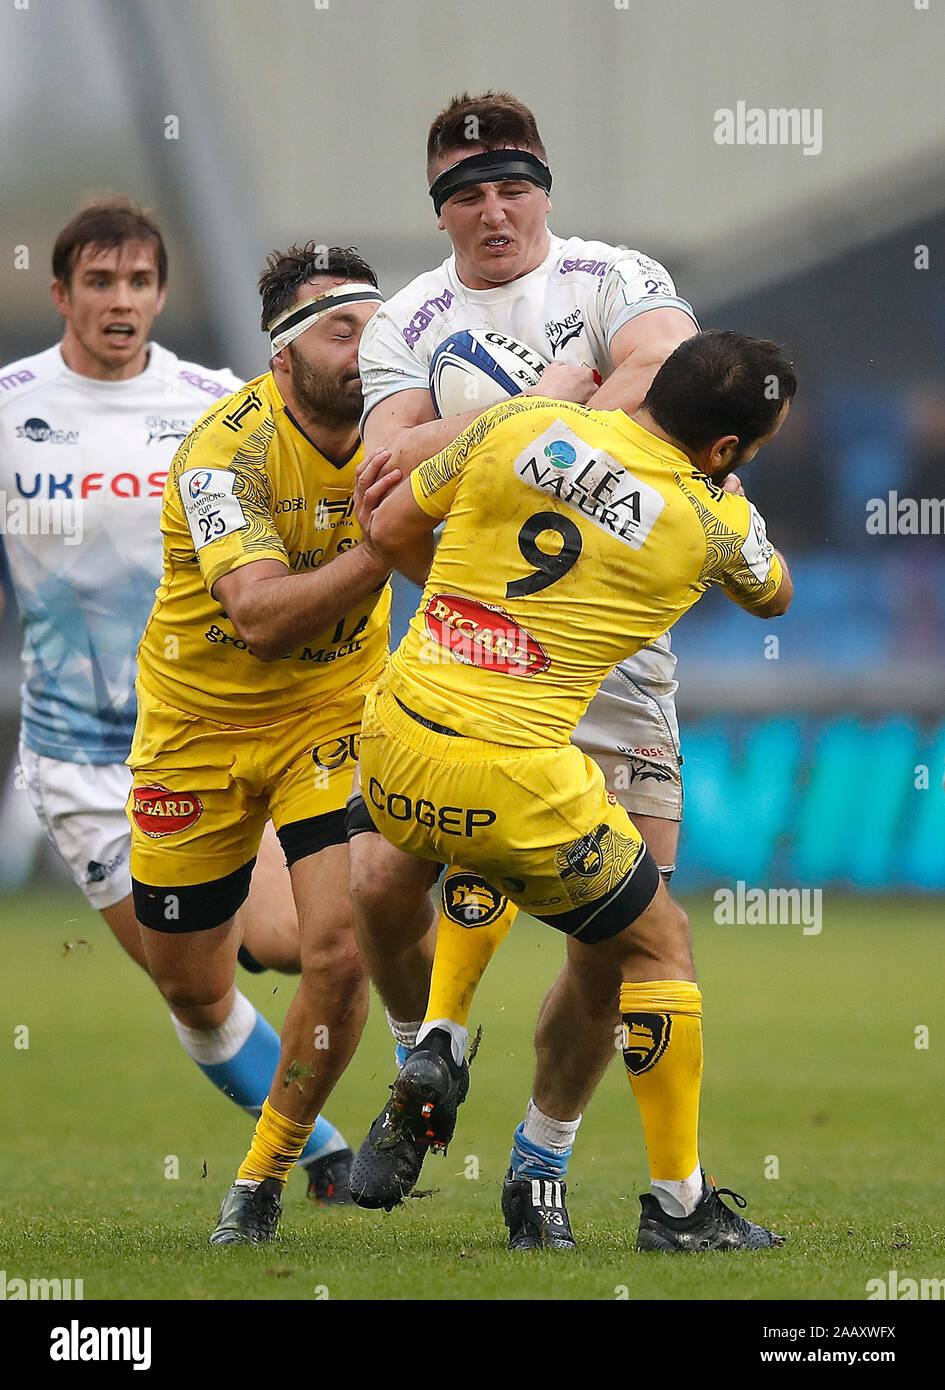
(161, 300)
(279, 361)
(59, 292)
(721, 455)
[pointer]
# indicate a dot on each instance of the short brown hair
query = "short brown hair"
(718, 383)
(286, 271)
(109, 223)
(493, 120)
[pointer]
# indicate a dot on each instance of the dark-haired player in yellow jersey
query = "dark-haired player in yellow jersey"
(571, 538)
(270, 620)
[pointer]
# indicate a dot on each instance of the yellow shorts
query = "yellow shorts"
(537, 823)
(202, 792)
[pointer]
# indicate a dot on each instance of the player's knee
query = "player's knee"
(666, 941)
(680, 920)
(368, 893)
(181, 990)
(399, 913)
(334, 960)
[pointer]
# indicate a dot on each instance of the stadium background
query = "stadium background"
(307, 118)
(821, 768)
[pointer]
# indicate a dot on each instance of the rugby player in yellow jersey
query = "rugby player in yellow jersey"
(585, 307)
(270, 620)
(571, 538)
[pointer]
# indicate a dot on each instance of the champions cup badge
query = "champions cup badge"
(645, 1039)
(199, 482)
(482, 634)
(469, 901)
(158, 811)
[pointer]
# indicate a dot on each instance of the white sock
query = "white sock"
(459, 1036)
(680, 1198)
(555, 1135)
(404, 1033)
(210, 1046)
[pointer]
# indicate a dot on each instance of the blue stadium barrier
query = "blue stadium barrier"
(838, 802)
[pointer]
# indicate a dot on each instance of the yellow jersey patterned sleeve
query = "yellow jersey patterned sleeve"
(739, 556)
(248, 484)
(753, 573)
(434, 483)
(224, 490)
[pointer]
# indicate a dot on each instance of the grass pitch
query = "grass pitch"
(812, 1074)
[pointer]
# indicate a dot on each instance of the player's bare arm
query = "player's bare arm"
(376, 478)
(638, 350)
(275, 611)
(406, 426)
(397, 525)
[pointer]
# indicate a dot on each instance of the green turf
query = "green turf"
(810, 1059)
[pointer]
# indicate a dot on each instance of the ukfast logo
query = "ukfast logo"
(53, 485)
(560, 463)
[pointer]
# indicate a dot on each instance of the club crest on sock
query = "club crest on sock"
(645, 1039)
(469, 901)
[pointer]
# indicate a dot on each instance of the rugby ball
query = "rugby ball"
(476, 368)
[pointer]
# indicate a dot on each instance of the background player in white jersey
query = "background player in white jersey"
(585, 306)
(87, 432)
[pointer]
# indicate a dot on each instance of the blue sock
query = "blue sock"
(401, 1053)
(245, 1075)
(530, 1160)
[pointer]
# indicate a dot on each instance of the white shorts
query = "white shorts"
(82, 809)
(631, 731)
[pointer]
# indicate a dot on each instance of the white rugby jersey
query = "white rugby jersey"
(82, 470)
(568, 309)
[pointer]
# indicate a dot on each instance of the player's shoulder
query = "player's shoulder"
(578, 257)
(431, 290)
(530, 415)
(28, 375)
(191, 380)
(715, 504)
(240, 427)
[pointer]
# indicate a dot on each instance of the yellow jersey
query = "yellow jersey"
(247, 484)
(572, 538)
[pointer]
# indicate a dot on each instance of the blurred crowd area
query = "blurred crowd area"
(829, 741)
(866, 331)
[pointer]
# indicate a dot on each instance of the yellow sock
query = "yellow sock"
(662, 1052)
(277, 1143)
(474, 921)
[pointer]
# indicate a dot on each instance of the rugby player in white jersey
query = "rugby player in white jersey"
(88, 429)
(595, 312)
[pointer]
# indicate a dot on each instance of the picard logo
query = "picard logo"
(479, 634)
(158, 811)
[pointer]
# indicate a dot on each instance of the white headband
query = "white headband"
(292, 321)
